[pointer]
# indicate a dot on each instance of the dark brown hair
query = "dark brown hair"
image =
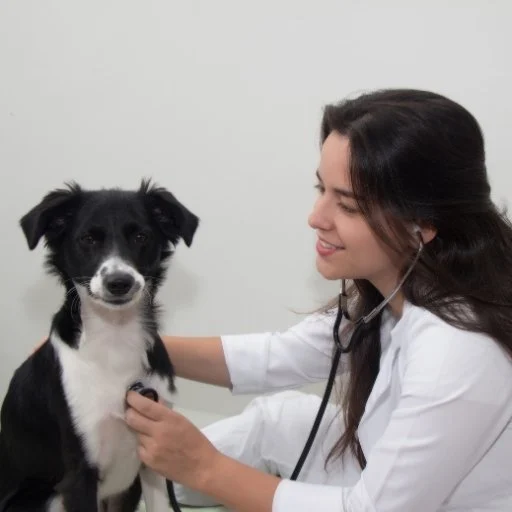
(418, 157)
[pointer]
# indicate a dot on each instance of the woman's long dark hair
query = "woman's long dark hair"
(418, 157)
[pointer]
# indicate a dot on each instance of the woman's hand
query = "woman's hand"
(172, 446)
(169, 443)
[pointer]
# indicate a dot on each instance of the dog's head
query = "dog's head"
(110, 244)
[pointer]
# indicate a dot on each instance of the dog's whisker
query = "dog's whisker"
(71, 291)
(147, 295)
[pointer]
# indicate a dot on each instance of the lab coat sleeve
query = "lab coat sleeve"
(456, 399)
(269, 361)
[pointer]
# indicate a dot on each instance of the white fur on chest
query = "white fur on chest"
(95, 377)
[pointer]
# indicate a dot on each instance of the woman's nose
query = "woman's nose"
(320, 217)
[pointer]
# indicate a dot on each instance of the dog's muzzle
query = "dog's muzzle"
(119, 287)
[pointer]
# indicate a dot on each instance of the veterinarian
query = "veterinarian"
(424, 421)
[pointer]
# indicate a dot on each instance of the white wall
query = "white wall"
(220, 101)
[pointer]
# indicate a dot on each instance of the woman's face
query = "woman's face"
(346, 247)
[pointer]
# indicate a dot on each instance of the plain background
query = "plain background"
(220, 102)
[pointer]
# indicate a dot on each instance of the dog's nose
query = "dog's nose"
(118, 283)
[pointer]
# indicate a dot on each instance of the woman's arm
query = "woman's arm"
(240, 487)
(258, 362)
(198, 358)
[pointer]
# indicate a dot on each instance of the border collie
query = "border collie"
(63, 443)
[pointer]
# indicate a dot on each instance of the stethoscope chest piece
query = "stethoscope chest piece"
(139, 387)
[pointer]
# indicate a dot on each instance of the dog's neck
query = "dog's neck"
(122, 328)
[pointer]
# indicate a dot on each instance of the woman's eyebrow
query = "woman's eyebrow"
(340, 191)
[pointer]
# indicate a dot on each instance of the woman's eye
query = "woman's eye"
(344, 207)
(348, 209)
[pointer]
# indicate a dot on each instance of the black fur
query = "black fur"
(40, 451)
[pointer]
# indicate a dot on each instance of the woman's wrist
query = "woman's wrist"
(236, 485)
(206, 475)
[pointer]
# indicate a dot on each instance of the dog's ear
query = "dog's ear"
(172, 217)
(51, 216)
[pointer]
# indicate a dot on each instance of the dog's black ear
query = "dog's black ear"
(172, 217)
(51, 216)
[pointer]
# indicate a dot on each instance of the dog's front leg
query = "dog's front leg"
(79, 491)
(154, 490)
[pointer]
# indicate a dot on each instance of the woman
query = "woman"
(425, 420)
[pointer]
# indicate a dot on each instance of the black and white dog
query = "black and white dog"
(63, 443)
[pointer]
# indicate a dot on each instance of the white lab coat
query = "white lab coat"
(436, 431)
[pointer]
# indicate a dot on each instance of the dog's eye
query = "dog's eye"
(140, 238)
(88, 239)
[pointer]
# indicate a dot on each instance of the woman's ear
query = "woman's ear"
(427, 232)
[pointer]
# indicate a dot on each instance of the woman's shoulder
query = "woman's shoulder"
(422, 321)
(432, 343)
(418, 323)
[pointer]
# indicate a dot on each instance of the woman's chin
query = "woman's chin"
(327, 271)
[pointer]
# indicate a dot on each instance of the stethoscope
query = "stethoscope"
(345, 349)
(340, 349)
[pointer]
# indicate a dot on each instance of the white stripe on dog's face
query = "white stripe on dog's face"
(131, 282)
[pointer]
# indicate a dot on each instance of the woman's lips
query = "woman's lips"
(324, 248)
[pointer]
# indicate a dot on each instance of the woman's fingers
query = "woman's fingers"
(138, 422)
(145, 406)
